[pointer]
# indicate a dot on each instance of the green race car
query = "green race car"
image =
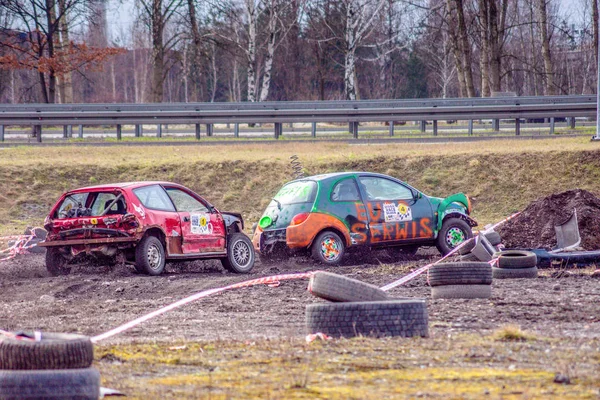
(331, 213)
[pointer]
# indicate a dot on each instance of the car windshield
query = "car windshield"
(296, 192)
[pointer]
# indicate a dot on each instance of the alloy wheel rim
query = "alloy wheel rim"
(154, 257)
(241, 253)
(455, 236)
(330, 249)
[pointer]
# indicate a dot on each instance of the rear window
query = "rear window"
(90, 204)
(297, 192)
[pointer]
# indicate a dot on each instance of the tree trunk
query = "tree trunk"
(251, 53)
(451, 17)
(595, 27)
(543, 22)
(465, 48)
(484, 63)
(66, 79)
(158, 54)
(51, 20)
(266, 83)
(195, 38)
(494, 48)
(349, 56)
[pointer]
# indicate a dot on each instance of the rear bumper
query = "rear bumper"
(74, 242)
(265, 241)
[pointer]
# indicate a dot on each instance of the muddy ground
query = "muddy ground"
(95, 299)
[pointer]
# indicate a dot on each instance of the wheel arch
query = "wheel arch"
(334, 230)
(458, 215)
(158, 233)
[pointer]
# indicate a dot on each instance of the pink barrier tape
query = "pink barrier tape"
(21, 246)
(269, 280)
(419, 271)
(497, 224)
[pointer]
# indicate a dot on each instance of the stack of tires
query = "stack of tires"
(47, 366)
(461, 280)
(357, 308)
(514, 264)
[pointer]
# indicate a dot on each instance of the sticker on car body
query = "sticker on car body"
(397, 213)
(200, 224)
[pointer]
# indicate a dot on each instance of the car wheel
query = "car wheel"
(56, 263)
(150, 256)
(240, 254)
(328, 248)
(454, 231)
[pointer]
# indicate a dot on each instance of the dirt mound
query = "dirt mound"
(534, 227)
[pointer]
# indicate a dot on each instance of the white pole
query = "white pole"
(597, 137)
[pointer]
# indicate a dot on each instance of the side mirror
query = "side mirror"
(417, 196)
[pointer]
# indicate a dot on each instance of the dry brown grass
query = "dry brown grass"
(502, 176)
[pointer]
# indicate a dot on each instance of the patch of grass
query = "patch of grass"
(446, 366)
(513, 333)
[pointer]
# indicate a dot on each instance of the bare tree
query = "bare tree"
(157, 14)
(543, 26)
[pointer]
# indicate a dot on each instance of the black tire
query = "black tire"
(461, 292)
(454, 231)
(462, 273)
(466, 249)
(334, 287)
(515, 259)
(72, 384)
(240, 254)
(404, 318)
(150, 256)
(515, 273)
(52, 351)
(468, 257)
(56, 263)
(494, 238)
(330, 243)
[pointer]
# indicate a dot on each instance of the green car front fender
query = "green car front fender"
(456, 203)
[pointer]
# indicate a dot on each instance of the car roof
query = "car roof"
(122, 185)
(334, 175)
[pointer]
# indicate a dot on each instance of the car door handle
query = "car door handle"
(186, 219)
(376, 209)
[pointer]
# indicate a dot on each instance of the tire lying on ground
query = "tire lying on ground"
(52, 351)
(461, 280)
(514, 273)
(404, 318)
(460, 273)
(516, 259)
(466, 249)
(80, 384)
(461, 292)
(334, 287)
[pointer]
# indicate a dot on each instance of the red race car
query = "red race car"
(147, 222)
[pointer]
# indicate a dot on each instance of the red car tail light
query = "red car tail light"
(299, 218)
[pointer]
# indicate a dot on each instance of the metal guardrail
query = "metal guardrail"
(352, 112)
